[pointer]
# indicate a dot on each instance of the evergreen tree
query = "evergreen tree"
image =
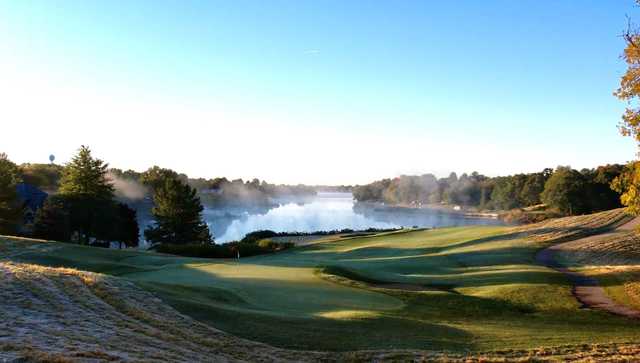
(178, 215)
(10, 211)
(84, 210)
(52, 221)
(86, 177)
(127, 231)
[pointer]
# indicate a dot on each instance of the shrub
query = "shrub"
(227, 250)
(256, 236)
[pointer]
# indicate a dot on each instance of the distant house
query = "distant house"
(31, 199)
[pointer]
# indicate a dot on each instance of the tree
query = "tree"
(505, 193)
(128, 231)
(84, 210)
(43, 176)
(87, 195)
(155, 177)
(601, 194)
(52, 221)
(628, 182)
(565, 190)
(532, 188)
(86, 177)
(178, 215)
(10, 211)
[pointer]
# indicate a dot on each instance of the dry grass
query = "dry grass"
(58, 314)
(559, 229)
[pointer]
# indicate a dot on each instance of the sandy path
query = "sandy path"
(585, 288)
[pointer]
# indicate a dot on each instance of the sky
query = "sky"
(315, 92)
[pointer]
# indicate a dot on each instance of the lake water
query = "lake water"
(326, 211)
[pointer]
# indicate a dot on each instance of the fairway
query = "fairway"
(473, 289)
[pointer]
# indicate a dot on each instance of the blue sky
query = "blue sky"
(316, 91)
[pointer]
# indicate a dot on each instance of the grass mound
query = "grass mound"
(60, 314)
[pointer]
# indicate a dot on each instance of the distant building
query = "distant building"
(31, 199)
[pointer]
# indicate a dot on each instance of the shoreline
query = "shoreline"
(436, 207)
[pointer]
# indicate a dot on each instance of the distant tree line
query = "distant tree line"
(566, 190)
(222, 190)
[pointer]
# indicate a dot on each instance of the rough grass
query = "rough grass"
(614, 260)
(498, 304)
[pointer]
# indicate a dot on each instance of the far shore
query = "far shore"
(439, 207)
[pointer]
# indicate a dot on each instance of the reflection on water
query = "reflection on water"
(328, 211)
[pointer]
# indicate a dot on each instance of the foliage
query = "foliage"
(127, 230)
(87, 221)
(10, 211)
(498, 193)
(565, 190)
(85, 211)
(628, 184)
(155, 177)
(222, 191)
(227, 250)
(43, 176)
(53, 221)
(178, 215)
(255, 236)
(629, 91)
(86, 177)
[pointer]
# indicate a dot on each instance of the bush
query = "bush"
(227, 250)
(519, 216)
(256, 236)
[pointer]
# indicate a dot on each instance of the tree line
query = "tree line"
(564, 189)
(84, 208)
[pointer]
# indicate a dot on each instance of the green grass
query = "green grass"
(496, 296)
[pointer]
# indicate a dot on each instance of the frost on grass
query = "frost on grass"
(62, 314)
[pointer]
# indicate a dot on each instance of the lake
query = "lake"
(326, 211)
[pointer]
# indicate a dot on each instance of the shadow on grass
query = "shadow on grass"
(319, 333)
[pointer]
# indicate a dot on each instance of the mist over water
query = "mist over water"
(327, 211)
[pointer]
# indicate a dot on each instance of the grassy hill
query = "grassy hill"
(466, 289)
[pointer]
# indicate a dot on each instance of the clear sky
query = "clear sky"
(326, 92)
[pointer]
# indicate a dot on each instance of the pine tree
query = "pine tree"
(178, 215)
(86, 199)
(10, 211)
(86, 177)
